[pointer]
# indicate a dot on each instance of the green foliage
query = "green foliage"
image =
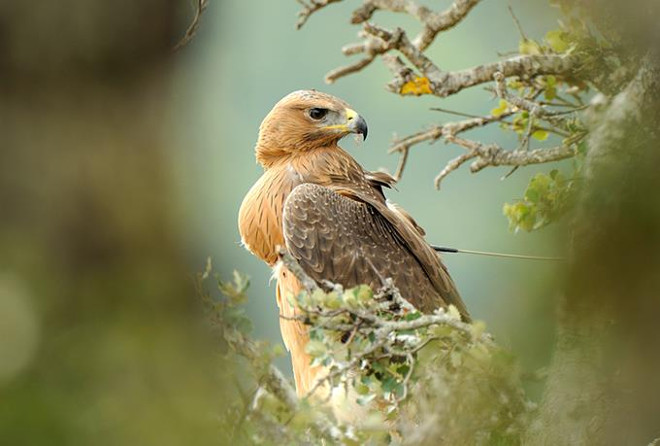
(546, 199)
(548, 196)
(398, 376)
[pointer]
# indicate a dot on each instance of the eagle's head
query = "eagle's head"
(305, 120)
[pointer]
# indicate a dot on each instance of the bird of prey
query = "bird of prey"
(333, 218)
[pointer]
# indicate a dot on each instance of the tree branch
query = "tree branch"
(310, 8)
(492, 155)
(379, 41)
(292, 265)
(194, 25)
(434, 22)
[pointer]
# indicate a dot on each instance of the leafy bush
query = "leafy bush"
(417, 378)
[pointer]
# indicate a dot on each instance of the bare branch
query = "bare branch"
(335, 74)
(434, 22)
(379, 41)
(517, 22)
(444, 83)
(416, 74)
(493, 155)
(522, 66)
(194, 25)
(452, 166)
(406, 143)
(403, 159)
(399, 40)
(310, 8)
(448, 132)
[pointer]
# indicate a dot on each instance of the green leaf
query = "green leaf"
(540, 135)
(412, 316)
(527, 46)
(365, 400)
(332, 301)
(315, 348)
(362, 389)
(557, 40)
(532, 195)
(391, 384)
(550, 92)
(236, 291)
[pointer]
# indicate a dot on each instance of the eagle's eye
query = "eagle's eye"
(318, 113)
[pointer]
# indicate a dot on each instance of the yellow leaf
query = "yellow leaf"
(417, 87)
(501, 109)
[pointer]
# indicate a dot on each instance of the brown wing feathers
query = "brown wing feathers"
(350, 242)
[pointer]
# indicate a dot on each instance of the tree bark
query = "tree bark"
(602, 386)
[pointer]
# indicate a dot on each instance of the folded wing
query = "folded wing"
(337, 236)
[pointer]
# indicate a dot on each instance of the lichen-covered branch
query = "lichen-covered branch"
(414, 73)
(310, 7)
(379, 41)
(372, 46)
(535, 109)
(445, 130)
(492, 155)
(434, 22)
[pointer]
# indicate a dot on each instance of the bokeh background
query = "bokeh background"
(248, 55)
(122, 168)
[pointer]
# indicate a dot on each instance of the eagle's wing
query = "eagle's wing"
(338, 235)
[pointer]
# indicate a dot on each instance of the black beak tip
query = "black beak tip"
(362, 128)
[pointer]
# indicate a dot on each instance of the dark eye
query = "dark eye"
(318, 113)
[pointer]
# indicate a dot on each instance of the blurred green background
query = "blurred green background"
(123, 166)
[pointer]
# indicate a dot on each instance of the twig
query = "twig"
(380, 40)
(310, 8)
(488, 155)
(403, 159)
(451, 166)
(294, 267)
(517, 22)
(433, 22)
(453, 112)
(446, 130)
(194, 25)
(534, 108)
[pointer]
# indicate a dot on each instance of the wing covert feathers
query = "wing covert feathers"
(351, 239)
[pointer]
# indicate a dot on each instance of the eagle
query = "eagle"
(333, 217)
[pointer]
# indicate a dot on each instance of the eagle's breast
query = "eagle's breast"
(260, 215)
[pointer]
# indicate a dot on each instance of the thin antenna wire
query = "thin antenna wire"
(495, 254)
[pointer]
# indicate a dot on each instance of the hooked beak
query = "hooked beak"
(356, 123)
